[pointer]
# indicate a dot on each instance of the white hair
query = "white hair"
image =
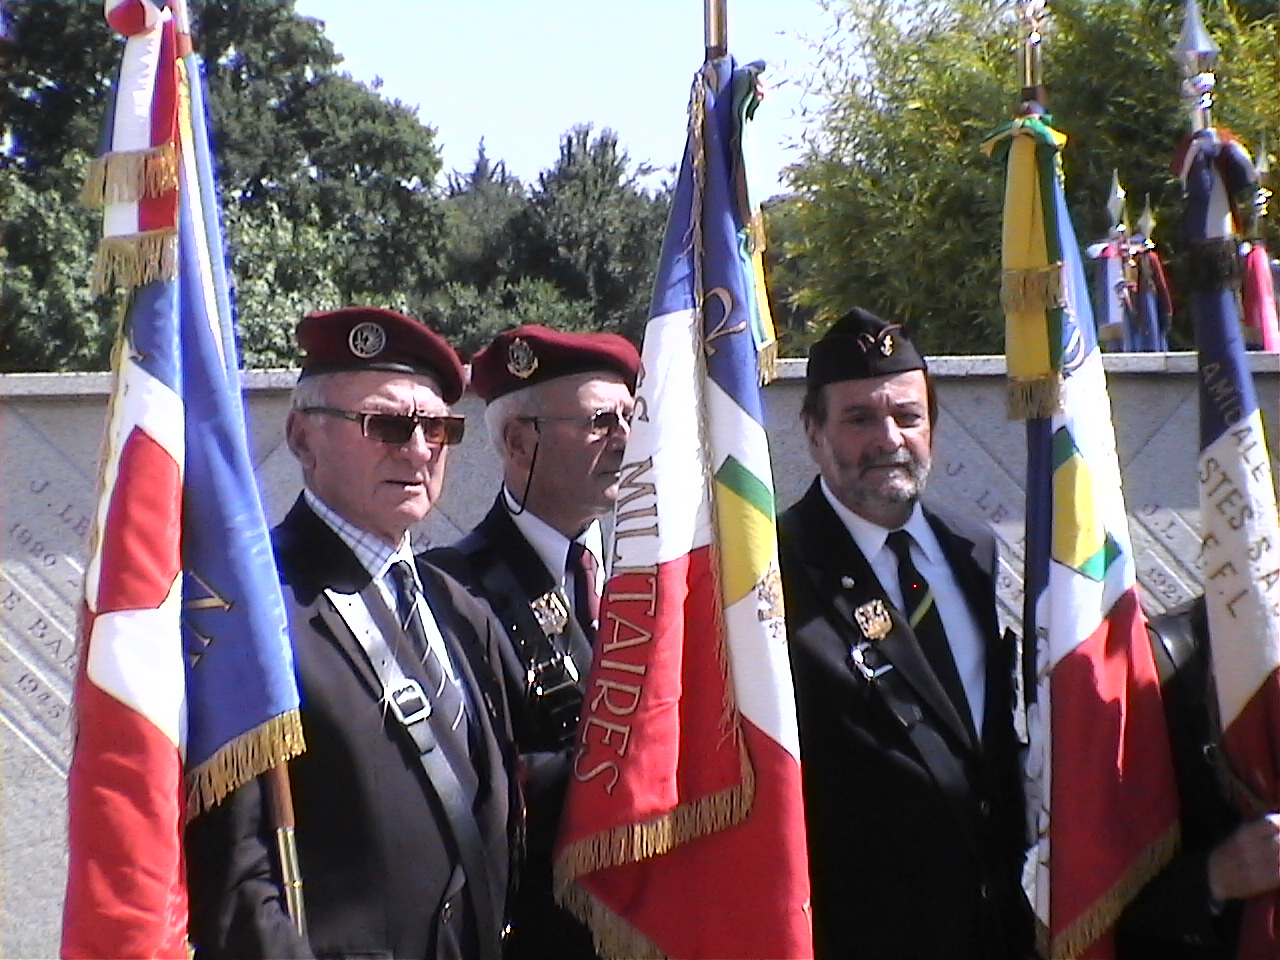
(507, 408)
(310, 391)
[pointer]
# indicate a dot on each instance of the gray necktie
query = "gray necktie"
(445, 697)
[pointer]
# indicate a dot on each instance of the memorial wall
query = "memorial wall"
(51, 428)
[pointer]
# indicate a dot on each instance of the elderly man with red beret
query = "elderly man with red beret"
(404, 797)
(558, 411)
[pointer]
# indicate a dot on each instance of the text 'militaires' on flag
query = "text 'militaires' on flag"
(185, 686)
(686, 777)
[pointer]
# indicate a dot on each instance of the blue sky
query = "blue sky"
(520, 74)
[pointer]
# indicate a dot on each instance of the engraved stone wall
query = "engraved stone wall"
(51, 429)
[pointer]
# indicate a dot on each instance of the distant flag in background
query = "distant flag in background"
(1131, 296)
(185, 688)
(1101, 792)
(1240, 553)
(1261, 324)
(683, 832)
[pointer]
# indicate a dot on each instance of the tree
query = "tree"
(594, 231)
(896, 209)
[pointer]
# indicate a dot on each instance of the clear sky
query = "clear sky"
(520, 74)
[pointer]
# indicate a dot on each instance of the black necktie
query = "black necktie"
(443, 693)
(582, 566)
(922, 614)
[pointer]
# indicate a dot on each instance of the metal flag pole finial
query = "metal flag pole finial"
(715, 28)
(1147, 222)
(1033, 12)
(1197, 52)
(1115, 205)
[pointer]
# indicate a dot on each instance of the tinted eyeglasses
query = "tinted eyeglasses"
(397, 428)
(599, 424)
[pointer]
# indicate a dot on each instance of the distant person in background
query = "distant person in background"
(1192, 909)
(558, 412)
(405, 803)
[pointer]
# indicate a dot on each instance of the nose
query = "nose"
(417, 447)
(888, 434)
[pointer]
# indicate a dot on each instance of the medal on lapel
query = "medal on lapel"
(873, 620)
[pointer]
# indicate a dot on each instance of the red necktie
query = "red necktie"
(586, 604)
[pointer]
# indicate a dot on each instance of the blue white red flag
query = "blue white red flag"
(1101, 793)
(185, 687)
(686, 776)
(1241, 549)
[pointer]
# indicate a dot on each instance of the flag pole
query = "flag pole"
(715, 28)
(1033, 12)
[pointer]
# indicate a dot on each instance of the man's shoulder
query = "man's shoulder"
(960, 522)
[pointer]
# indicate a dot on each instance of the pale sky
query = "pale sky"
(520, 74)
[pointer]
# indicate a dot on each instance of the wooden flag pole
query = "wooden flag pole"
(715, 28)
(282, 816)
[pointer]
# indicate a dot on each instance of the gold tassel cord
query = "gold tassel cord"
(249, 755)
(1034, 399)
(1032, 289)
(135, 259)
(127, 176)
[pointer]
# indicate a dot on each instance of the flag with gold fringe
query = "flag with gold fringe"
(185, 687)
(1101, 793)
(1238, 515)
(683, 831)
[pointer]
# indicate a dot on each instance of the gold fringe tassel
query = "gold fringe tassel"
(1073, 941)
(126, 176)
(767, 363)
(615, 938)
(251, 754)
(1032, 399)
(1032, 289)
(1111, 332)
(135, 259)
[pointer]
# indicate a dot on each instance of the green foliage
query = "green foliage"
(48, 319)
(896, 209)
(594, 230)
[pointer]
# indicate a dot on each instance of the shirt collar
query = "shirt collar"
(870, 537)
(374, 554)
(552, 546)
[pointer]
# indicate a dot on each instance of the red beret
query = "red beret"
(532, 354)
(373, 338)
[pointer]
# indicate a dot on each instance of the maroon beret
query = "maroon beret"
(530, 354)
(374, 338)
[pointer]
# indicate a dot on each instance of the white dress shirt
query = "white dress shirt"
(552, 546)
(963, 633)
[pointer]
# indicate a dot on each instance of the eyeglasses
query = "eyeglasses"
(397, 428)
(599, 424)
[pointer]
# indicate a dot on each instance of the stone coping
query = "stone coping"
(71, 385)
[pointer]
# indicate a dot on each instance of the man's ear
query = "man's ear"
(298, 439)
(519, 438)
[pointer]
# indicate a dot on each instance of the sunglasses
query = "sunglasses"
(599, 424)
(397, 428)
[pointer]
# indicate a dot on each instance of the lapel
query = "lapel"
(840, 572)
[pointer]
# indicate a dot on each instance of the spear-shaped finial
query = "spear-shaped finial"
(1033, 12)
(1147, 222)
(1115, 205)
(1197, 52)
(1262, 167)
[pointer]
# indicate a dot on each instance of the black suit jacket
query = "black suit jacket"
(915, 831)
(497, 564)
(380, 874)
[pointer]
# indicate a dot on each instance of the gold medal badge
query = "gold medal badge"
(551, 612)
(873, 619)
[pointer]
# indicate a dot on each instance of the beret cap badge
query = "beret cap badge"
(521, 360)
(367, 339)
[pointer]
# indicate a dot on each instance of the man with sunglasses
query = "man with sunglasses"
(404, 798)
(558, 410)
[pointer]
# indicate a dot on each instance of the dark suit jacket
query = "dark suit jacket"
(380, 875)
(915, 832)
(496, 563)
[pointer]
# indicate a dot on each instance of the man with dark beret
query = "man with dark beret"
(405, 797)
(558, 412)
(904, 683)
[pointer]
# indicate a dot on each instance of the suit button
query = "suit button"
(985, 892)
(446, 912)
(984, 808)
